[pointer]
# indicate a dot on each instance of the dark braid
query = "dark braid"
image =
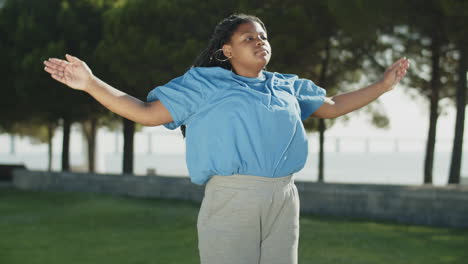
(222, 34)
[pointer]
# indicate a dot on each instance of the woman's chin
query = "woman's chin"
(263, 60)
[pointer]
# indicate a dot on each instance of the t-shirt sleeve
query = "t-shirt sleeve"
(181, 96)
(309, 95)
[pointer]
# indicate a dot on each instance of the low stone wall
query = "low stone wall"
(119, 184)
(422, 205)
(6, 171)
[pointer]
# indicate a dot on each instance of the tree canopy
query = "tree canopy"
(137, 45)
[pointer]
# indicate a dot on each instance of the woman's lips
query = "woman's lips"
(262, 50)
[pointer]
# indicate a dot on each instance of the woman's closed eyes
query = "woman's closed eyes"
(252, 38)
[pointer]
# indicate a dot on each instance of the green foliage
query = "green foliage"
(136, 45)
(315, 40)
(35, 31)
(432, 22)
(36, 129)
(23, 65)
(147, 43)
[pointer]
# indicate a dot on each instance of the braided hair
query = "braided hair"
(210, 56)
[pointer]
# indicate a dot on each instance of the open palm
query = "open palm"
(72, 72)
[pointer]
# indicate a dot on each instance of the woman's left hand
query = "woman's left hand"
(395, 73)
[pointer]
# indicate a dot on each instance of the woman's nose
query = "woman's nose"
(259, 42)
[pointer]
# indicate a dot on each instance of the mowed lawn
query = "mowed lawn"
(68, 228)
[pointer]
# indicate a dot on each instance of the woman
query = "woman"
(244, 136)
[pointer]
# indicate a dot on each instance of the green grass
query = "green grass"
(45, 227)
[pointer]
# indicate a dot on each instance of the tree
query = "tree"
(331, 55)
(38, 129)
(82, 39)
(457, 13)
(28, 109)
(55, 27)
(428, 44)
(139, 56)
(455, 165)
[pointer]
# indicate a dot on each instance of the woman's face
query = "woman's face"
(248, 48)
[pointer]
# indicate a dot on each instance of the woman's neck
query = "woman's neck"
(251, 73)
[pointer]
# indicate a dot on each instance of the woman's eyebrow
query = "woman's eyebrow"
(250, 31)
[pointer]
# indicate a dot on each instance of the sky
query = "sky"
(409, 118)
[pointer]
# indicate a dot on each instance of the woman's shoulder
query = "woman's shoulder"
(283, 77)
(208, 73)
(199, 77)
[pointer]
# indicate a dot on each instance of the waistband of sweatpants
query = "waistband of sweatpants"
(246, 181)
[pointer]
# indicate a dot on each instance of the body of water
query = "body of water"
(375, 168)
(347, 159)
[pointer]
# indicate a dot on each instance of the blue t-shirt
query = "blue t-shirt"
(240, 125)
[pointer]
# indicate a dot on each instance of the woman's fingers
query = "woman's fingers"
(396, 72)
(400, 67)
(55, 64)
(56, 68)
(52, 66)
(59, 77)
(394, 65)
(72, 72)
(72, 59)
(401, 70)
(50, 70)
(398, 63)
(58, 62)
(54, 71)
(403, 67)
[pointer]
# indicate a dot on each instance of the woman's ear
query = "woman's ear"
(227, 50)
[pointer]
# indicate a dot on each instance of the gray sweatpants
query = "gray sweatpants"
(248, 219)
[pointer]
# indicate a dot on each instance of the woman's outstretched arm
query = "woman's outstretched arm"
(76, 74)
(348, 102)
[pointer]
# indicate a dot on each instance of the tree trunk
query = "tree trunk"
(455, 165)
(50, 135)
(92, 146)
(66, 144)
(321, 167)
(434, 100)
(128, 131)
(89, 131)
(12, 144)
(322, 126)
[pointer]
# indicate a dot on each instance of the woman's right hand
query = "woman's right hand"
(72, 72)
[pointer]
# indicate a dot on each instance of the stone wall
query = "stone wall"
(422, 205)
(119, 184)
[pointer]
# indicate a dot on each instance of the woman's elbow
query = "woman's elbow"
(149, 124)
(156, 114)
(153, 122)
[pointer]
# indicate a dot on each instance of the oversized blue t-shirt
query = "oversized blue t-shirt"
(240, 125)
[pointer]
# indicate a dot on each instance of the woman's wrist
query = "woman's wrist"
(90, 84)
(383, 87)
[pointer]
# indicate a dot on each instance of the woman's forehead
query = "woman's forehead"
(249, 27)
